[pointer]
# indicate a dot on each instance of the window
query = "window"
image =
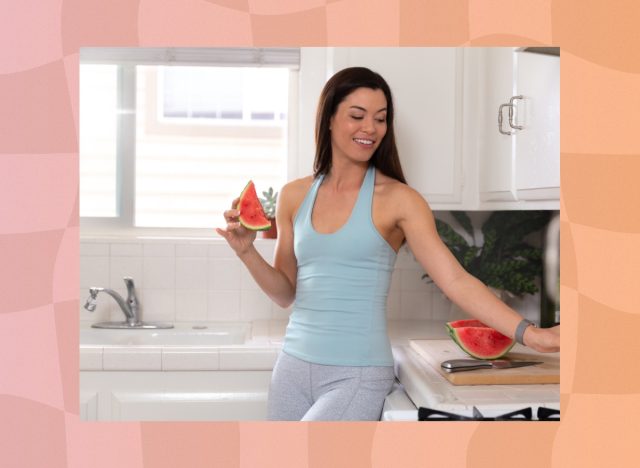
(98, 107)
(168, 137)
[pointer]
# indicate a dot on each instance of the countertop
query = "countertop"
(427, 388)
(422, 383)
(258, 352)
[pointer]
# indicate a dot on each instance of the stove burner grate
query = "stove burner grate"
(524, 414)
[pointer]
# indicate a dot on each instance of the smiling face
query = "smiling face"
(359, 124)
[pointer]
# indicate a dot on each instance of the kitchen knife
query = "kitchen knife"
(457, 365)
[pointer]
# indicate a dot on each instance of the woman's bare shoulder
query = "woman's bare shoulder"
(297, 188)
(293, 192)
(303, 183)
(394, 190)
(401, 199)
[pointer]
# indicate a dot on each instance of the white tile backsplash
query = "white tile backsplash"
(395, 280)
(205, 281)
(191, 305)
(440, 305)
(415, 305)
(192, 250)
(125, 266)
(223, 305)
(159, 272)
(221, 250)
(158, 305)
(123, 249)
(153, 249)
(411, 280)
(94, 271)
(254, 305)
(95, 249)
(224, 273)
(191, 273)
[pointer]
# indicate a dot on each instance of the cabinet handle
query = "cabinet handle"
(511, 105)
(500, 120)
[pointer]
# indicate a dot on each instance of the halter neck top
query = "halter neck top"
(338, 317)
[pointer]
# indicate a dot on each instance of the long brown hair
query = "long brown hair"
(339, 86)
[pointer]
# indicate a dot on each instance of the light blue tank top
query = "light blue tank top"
(338, 317)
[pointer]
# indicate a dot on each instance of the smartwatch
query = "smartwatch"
(522, 326)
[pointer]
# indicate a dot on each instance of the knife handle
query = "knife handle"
(456, 365)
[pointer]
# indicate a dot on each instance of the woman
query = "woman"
(338, 234)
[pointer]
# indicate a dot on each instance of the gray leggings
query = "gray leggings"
(304, 391)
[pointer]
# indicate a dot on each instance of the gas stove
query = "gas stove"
(524, 414)
(421, 393)
(399, 407)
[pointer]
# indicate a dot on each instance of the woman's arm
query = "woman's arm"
(277, 281)
(470, 294)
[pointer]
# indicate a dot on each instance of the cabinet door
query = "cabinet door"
(525, 164)
(537, 145)
(426, 84)
(497, 162)
(89, 406)
(187, 406)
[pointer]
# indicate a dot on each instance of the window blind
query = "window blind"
(220, 56)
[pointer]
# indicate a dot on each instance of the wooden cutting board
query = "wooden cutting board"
(437, 351)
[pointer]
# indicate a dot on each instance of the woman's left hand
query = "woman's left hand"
(544, 340)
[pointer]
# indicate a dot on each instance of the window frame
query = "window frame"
(127, 59)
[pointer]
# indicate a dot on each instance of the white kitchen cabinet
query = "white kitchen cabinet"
(427, 89)
(523, 165)
(171, 396)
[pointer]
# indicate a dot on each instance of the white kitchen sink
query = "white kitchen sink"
(201, 334)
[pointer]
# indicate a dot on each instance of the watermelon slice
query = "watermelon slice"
(478, 340)
(251, 212)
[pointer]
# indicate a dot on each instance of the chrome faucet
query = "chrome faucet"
(130, 308)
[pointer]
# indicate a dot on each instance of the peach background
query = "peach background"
(39, 42)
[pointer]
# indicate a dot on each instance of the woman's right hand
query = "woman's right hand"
(240, 239)
(543, 340)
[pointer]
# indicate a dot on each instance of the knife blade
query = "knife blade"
(458, 365)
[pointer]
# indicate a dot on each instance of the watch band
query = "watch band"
(522, 326)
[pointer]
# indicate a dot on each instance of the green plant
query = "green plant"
(505, 261)
(269, 203)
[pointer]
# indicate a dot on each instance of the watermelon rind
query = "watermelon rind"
(466, 323)
(263, 223)
(457, 334)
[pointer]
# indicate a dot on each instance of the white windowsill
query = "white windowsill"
(128, 236)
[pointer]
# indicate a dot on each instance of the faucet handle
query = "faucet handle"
(128, 281)
(131, 287)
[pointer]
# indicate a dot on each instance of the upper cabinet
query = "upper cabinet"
(427, 91)
(519, 117)
(453, 148)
